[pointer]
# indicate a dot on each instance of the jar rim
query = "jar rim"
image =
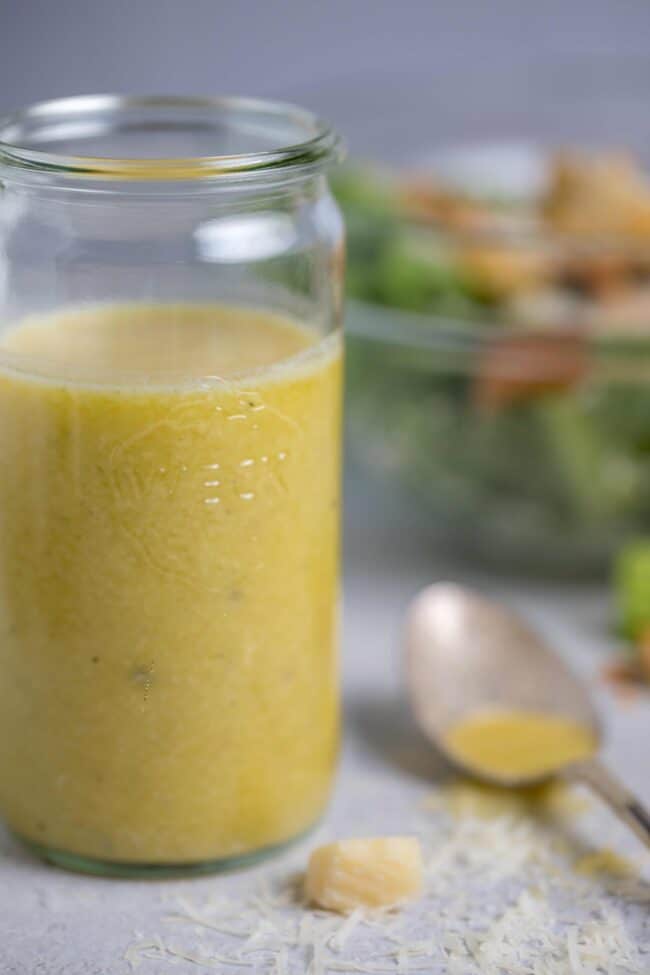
(308, 142)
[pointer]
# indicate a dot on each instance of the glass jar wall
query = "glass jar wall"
(170, 360)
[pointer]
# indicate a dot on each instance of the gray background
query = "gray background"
(395, 76)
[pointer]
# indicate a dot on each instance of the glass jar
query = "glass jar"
(170, 367)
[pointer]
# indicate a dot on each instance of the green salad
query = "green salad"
(499, 365)
(632, 588)
(390, 263)
(632, 579)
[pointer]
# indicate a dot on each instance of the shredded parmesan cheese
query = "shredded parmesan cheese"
(506, 891)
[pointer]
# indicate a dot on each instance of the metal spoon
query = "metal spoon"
(466, 654)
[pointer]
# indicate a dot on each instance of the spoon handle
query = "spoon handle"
(627, 807)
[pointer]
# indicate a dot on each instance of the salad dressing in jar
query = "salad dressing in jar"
(170, 373)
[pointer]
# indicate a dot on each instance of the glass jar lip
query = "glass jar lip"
(319, 145)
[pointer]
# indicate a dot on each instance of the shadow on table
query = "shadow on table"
(14, 851)
(383, 726)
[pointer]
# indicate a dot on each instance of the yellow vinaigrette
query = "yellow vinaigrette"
(168, 580)
(519, 744)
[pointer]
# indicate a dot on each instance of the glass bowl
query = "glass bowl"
(525, 435)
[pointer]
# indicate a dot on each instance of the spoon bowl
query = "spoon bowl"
(466, 655)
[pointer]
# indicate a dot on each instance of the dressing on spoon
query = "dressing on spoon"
(504, 744)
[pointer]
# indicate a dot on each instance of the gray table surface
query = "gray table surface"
(55, 923)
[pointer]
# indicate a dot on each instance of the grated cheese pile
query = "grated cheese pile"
(509, 888)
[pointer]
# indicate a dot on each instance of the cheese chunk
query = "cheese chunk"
(381, 872)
